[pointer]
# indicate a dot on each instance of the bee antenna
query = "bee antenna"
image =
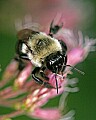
(81, 72)
(56, 82)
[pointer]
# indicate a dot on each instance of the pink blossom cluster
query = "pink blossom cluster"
(36, 95)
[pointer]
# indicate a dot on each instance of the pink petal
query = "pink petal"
(10, 70)
(47, 114)
(24, 74)
(75, 56)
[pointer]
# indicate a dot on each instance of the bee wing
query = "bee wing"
(27, 23)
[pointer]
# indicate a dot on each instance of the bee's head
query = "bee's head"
(56, 62)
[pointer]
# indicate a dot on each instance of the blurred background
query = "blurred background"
(77, 14)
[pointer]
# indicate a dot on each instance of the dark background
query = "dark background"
(84, 101)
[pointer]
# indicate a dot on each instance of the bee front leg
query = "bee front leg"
(38, 80)
(43, 74)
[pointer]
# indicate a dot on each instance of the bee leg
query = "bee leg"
(43, 74)
(54, 28)
(21, 65)
(38, 80)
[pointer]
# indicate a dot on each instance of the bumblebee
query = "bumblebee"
(44, 52)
